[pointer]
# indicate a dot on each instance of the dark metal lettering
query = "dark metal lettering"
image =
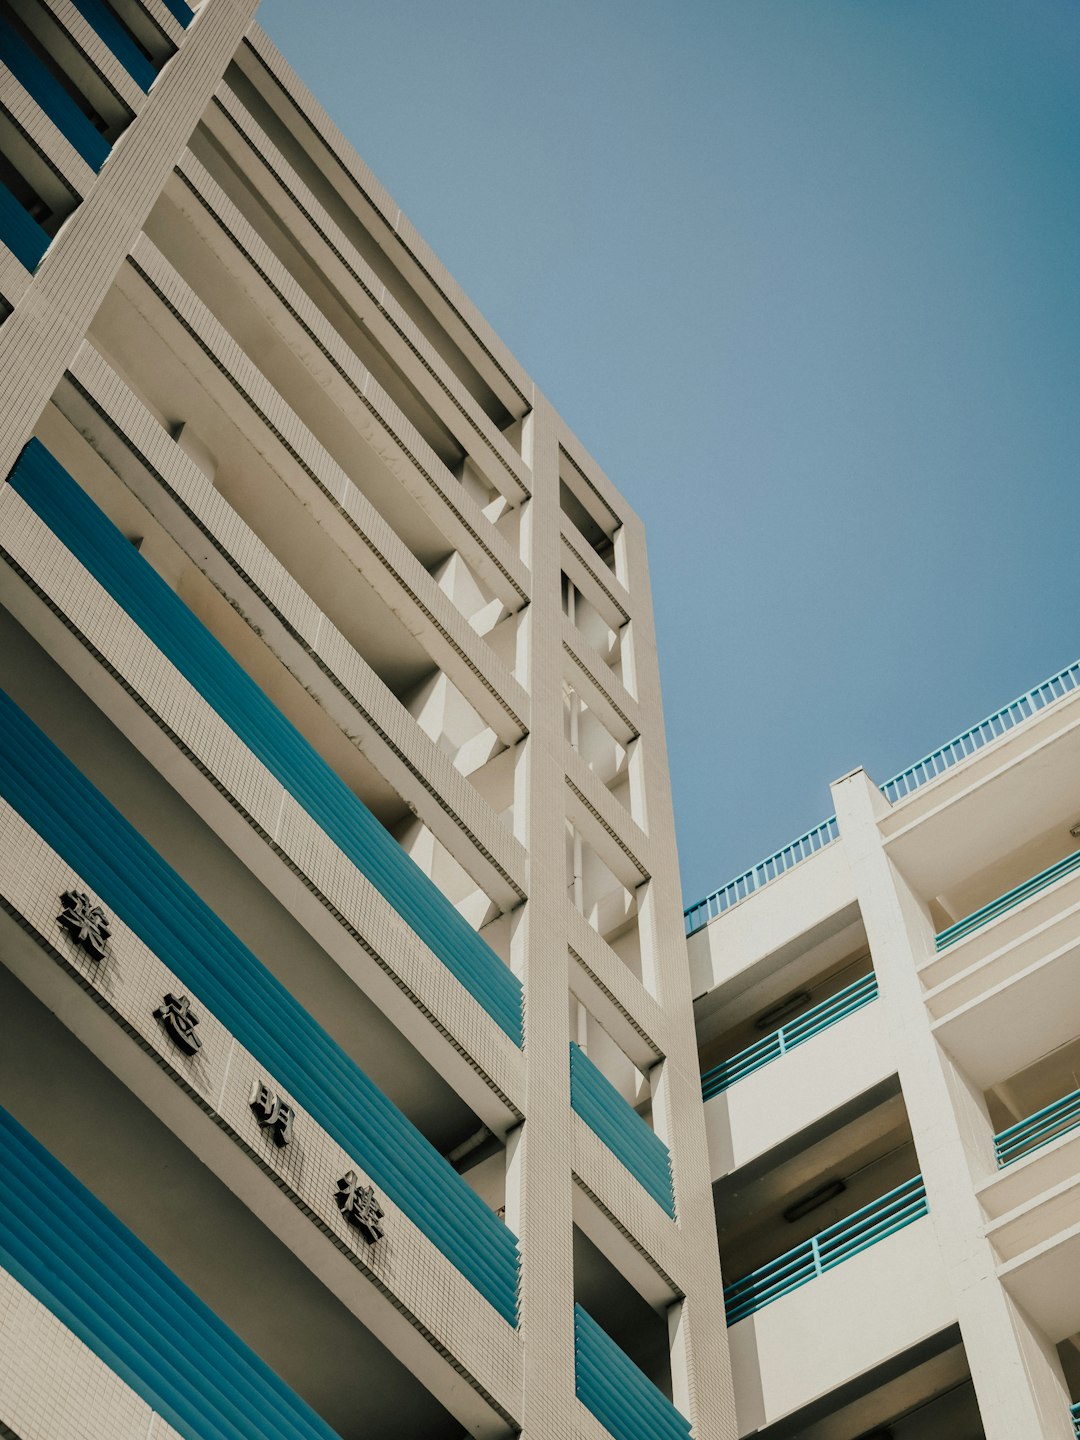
(273, 1113)
(87, 922)
(360, 1207)
(176, 1014)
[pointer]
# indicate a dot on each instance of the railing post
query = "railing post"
(815, 1250)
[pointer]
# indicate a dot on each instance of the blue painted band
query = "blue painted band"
(179, 11)
(136, 884)
(42, 85)
(20, 232)
(112, 33)
(228, 689)
(621, 1128)
(616, 1391)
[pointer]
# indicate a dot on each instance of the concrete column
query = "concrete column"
(700, 1362)
(40, 338)
(545, 1185)
(1015, 1370)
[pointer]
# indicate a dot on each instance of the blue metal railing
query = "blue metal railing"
(132, 880)
(698, 915)
(909, 780)
(64, 1246)
(764, 1051)
(228, 689)
(1075, 1413)
(615, 1121)
(994, 726)
(611, 1387)
(1011, 898)
(1037, 1130)
(824, 1251)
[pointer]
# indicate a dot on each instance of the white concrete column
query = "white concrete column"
(546, 1187)
(1015, 1370)
(700, 1360)
(40, 338)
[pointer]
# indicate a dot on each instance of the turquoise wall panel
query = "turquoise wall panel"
(115, 35)
(621, 1128)
(20, 232)
(207, 665)
(75, 1256)
(136, 884)
(621, 1396)
(38, 80)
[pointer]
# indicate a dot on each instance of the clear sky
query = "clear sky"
(803, 275)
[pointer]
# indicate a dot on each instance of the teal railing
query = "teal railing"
(228, 689)
(1038, 1129)
(1005, 902)
(771, 1047)
(699, 914)
(909, 780)
(611, 1387)
(824, 1251)
(1075, 1413)
(62, 1244)
(615, 1121)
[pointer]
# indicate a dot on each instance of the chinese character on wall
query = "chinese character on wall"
(272, 1112)
(87, 922)
(360, 1207)
(178, 1018)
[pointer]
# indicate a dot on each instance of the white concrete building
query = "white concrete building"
(351, 1074)
(889, 1019)
(348, 1077)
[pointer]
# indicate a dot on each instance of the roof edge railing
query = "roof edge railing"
(771, 868)
(1024, 707)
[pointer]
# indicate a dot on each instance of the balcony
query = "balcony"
(207, 1364)
(615, 1121)
(1004, 903)
(800, 1350)
(753, 1104)
(931, 768)
(699, 914)
(788, 1037)
(824, 1251)
(1037, 1130)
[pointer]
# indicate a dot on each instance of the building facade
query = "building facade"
(356, 1076)
(349, 1074)
(889, 1019)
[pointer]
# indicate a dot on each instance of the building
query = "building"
(889, 1019)
(353, 1059)
(348, 1073)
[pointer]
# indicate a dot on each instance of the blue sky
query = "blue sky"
(803, 275)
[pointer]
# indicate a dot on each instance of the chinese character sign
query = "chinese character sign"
(87, 923)
(272, 1113)
(178, 1018)
(360, 1207)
